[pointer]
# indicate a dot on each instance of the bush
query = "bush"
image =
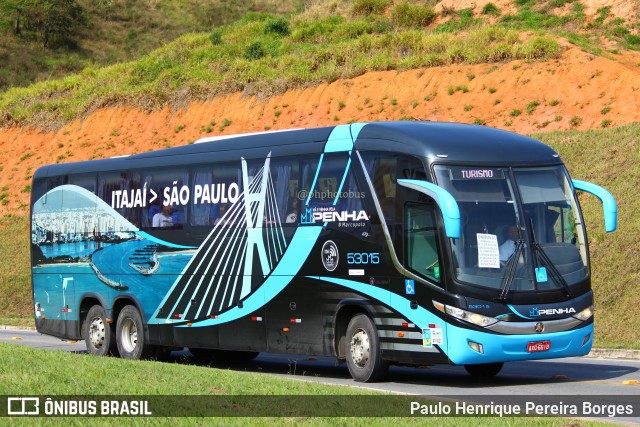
(216, 37)
(490, 9)
(278, 26)
(254, 51)
(411, 15)
(369, 7)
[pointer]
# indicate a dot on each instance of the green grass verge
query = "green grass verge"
(27, 371)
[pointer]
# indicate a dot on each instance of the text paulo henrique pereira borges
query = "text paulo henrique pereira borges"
(526, 408)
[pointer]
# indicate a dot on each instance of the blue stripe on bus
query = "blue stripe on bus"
(148, 236)
(517, 313)
(339, 140)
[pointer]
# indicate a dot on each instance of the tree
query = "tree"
(50, 20)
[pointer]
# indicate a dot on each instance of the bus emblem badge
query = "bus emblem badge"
(330, 255)
(539, 328)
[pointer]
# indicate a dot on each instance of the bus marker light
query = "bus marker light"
(213, 316)
(285, 329)
(477, 347)
(256, 319)
(401, 334)
(405, 324)
(292, 320)
(188, 323)
(438, 305)
(108, 320)
(586, 339)
(177, 316)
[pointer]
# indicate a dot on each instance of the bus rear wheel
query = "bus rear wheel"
(98, 333)
(364, 358)
(484, 370)
(130, 335)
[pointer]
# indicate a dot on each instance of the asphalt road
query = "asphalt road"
(613, 380)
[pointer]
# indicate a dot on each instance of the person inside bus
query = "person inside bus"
(292, 213)
(222, 210)
(163, 219)
(509, 246)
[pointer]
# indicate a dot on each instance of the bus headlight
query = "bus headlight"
(585, 314)
(467, 316)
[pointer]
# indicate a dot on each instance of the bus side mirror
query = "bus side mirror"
(447, 204)
(608, 202)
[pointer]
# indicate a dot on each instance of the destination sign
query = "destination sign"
(477, 173)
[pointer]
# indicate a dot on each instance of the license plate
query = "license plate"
(535, 347)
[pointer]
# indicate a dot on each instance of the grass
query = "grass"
(27, 371)
(609, 157)
(262, 63)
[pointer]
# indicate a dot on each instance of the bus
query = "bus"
(409, 243)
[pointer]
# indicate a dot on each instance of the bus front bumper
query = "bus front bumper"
(466, 346)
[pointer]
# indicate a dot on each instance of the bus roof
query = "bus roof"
(437, 141)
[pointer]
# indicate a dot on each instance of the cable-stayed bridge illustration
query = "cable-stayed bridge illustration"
(235, 258)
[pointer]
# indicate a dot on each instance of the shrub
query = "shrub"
(369, 7)
(216, 37)
(490, 9)
(278, 26)
(254, 51)
(411, 15)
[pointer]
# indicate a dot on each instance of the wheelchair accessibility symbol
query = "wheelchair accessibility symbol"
(409, 287)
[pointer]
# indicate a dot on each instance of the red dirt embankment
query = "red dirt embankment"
(578, 90)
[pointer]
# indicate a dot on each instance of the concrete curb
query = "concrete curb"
(602, 353)
(596, 353)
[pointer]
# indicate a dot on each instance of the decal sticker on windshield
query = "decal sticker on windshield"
(488, 251)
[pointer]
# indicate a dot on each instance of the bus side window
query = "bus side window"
(167, 185)
(421, 243)
(117, 183)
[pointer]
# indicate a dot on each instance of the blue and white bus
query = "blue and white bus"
(376, 243)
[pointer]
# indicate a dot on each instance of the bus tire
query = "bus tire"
(484, 370)
(364, 357)
(130, 335)
(98, 334)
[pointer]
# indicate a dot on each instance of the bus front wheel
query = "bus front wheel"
(484, 370)
(364, 357)
(130, 335)
(98, 333)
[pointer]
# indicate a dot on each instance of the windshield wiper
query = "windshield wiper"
(555, 274)
(511, 266)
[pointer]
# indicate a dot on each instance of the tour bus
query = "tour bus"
(409, 243)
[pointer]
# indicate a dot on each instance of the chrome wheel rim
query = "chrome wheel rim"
(129, 335)
(97, 332)
(360, 348)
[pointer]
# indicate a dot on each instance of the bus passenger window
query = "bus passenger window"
(422, 255)
(167, 189)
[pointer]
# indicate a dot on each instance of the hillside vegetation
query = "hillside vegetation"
(523, 65)
(105, 32)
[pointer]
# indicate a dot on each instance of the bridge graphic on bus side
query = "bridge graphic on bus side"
(243, 248)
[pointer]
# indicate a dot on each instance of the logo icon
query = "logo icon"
(534, 312)
(330, 255)
(539, 328)
(409, 287)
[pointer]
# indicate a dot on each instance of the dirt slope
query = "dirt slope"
(577, 91)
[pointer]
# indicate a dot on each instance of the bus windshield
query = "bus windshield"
(521, 228)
